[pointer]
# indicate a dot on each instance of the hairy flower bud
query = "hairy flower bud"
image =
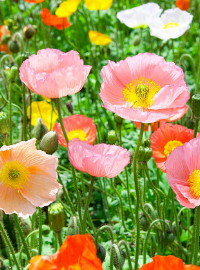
(136, 40)
(29, 31)
(40, 129)
(167, 237)
(13, 72)
(57, 216)
(196, 106)
(49, 142)
(144, 222)
(101, 253)
(112, 137)
(14, 46)
(119, 254)
(73, 227)
(70, 107)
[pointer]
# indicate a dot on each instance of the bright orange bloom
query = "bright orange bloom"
(183, 4)
(3, 31)
(53, 20)
(34, 1)
(167, 263)
(165, 139)
(78, 252)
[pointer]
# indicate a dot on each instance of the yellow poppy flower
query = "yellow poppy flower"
(42, 109)
(67, 8)
(98, 4)
(98, 38)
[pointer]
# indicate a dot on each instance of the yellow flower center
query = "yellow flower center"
(77, 133)
(194, 181)
(14, 174)
(170, 146)
(140, 92)
(171, 25)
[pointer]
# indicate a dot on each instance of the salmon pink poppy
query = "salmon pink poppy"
(183, 173)
(100, 160)
(183, 4)
(167, 263)
(77, 126)
(78, 252)
(27, 178)
(53, 20)
(54, 74)
(143, 88)
(165, 139)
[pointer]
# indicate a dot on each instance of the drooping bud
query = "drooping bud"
(196, 106)
(4, 123)
(14, 46)
(73, 227)
(144, 222)
(49, 142)
(118, 119)
(40, 129)
(70, 107)
(29, 31)
(12, 73)
(101, 253)
(136, 40)
(167, 237)
(112, 137)
(119, 254)
(57, 216)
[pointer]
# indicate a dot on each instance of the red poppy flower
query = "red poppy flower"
(52, 20)
(77, 126)
(3, 31)
(78, 252)
(183, 4)
(167, 263)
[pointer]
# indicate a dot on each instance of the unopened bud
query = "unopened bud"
(40, 129)
(118, 119)
(196, 106)
(116, 259)
(5, 38)
(13, 73)
(112, 137)
(60, 194)
(29, 31)
(14, 46)
(144, 222)
(25, 226)
(136, 40)
(4, 123)
(45, 230)
(144, 154)
(167, 237)
(57, 216)
(73, 227)
(147, 143)
(70, 107)
(101, 253)
(49, 142)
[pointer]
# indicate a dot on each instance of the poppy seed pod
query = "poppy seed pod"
(57, 216)
(49, 142)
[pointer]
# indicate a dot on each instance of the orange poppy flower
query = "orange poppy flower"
(53, 20)
(76, 253)
(3, 31)
(165, 139)
(183, 4)
(167, 263)
(34, 1)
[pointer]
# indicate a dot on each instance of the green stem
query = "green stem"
(25, 112)
(40, 231)
(195, 238)
(137, 198)
(87, 204)
(8, 243)
(196, 128)
(10, 112)
(21, 236)
(100, 230)
(60, 119)
(59, 235)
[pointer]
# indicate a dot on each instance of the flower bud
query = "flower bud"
(141, 154)
(25, 226)
(4, 123)
(147, 143)
(144, 222)
(144, 154)
(167, 237)
(60, 194)
(119, 253)
(118, 119)
(196, 106)
(45, 230)
(57, 216)
(13, 73)
(29, 31)
(112, 137)
(101, 253)
(136, 40)
(49, 142)
(5, 38)
(70, 107)
(14, 46)
(40, 129)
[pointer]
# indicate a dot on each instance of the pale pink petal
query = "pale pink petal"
(70, 58)
(185, 192)
(179, 114)
(192, 154)
(11, 201)
(182, 199)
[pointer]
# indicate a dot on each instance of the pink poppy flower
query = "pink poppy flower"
(165, 139)
(54, 74)
(27, 178)
(143, 88)
(183, 173)
(100, 160)
(77, 126)
(179, 114)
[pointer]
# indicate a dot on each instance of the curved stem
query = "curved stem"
(123, 243)
(100, 230)
(59, 235)
(137, 199)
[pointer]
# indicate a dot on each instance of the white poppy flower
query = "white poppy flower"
(173, 23)
(139, 17)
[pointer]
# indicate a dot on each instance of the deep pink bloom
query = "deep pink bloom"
(143, 88)
(100, 160)
(54, 74)
(77, 126)
(183, 173)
